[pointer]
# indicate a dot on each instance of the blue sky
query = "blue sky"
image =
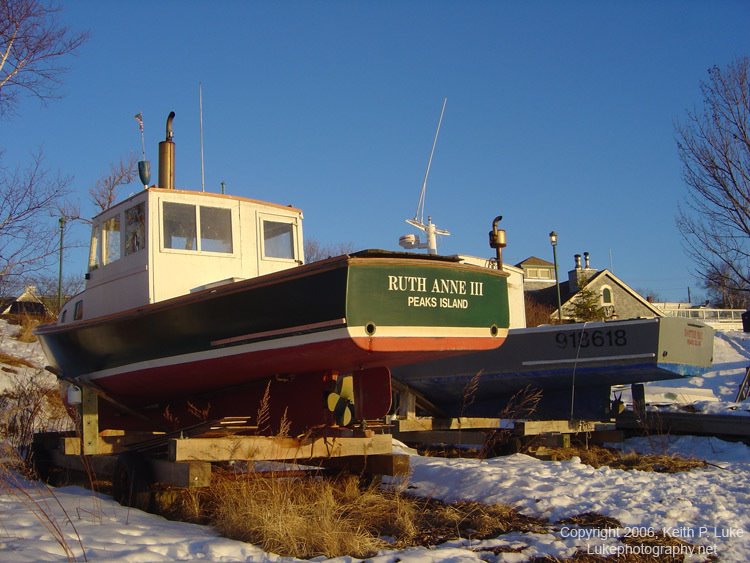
(560, 116)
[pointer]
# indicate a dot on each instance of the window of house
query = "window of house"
(533, 272)
(606, 296)
(179, 226)
(545, 274)
(112, 240)
(135, 229)
(216, 229)
(278, 240)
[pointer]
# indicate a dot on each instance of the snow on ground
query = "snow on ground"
(31, 352)
(707, 507)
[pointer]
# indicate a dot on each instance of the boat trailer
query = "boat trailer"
(138, 461)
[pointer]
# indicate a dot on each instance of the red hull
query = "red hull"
(233, 385)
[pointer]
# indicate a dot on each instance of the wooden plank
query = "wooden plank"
(379, 464)
(519, 427)
(89, 421)
(607, 436)
(102, 466)
(275, 448)
(109, 442)
(447, 437)
(536, 427)
(180, 474)
(187, 474)
(686, 423)
(463, 423)
(419, 400)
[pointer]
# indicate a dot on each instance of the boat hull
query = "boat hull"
(349, 314)
(572, 366)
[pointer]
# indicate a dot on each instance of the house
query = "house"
(537, 273)
(28, 303)
(616, 298)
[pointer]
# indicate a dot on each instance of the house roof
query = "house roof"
(534, 261)
(548, 295)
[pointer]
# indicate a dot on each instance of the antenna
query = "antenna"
(419, 215)
(412, 241)
(200, 112)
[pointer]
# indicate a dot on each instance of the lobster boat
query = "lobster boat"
(568, 369)
(200, 306)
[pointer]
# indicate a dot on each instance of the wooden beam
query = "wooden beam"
(275, 448)
(415, 397)
(535, 427)
(379, 464)
(89, 421)
(109, 441)
(187, 474)
(686, 423)
(463, 423)
(447, 437)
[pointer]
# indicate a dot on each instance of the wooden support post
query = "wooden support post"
(407, 405)
(638, 391)
(89, 421)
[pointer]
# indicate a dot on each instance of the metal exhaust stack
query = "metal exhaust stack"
(166, 157)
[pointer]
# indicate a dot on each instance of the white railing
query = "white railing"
(717, 318)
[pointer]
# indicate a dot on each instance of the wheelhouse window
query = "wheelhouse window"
(112, 240)
(135, 229)
(182, 222)
(216, 229)
(278, 240)
(94, 261)
(179, 226)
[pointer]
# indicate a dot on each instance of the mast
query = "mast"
(429, 228)
(200, 113)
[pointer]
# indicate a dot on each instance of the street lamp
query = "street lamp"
(553, 242)
(63, 220)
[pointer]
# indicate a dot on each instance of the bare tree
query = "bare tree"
(720, 292)
(714, 146)
(33, 46)
(28, 199)
(103, 194)
(315, 251)
(46, 289)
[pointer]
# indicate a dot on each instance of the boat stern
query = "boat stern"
(404, 304)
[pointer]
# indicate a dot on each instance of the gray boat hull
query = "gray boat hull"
(572, 366)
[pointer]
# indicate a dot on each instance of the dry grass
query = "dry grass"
(315, 516)
(15, 361)
(26, 331)
(30, 405)
(26, 325)
(597, 457)
(311, 516)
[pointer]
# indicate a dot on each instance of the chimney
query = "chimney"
(587, 264)
(574, 274)
(166, 157)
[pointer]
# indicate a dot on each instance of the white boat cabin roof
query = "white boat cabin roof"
(163, 243)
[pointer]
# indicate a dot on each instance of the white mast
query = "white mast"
(430, 230)
(200, 112)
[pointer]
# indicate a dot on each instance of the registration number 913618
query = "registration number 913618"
(594, 338)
